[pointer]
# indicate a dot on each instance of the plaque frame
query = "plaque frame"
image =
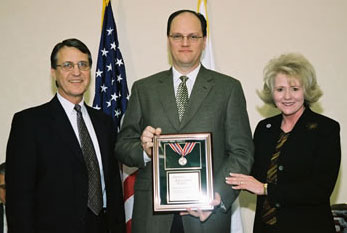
(180, 185)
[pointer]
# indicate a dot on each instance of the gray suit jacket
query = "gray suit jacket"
(216, 105)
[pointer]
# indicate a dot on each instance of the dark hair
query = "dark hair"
(69, 43)
(2, 168)
(198, 15)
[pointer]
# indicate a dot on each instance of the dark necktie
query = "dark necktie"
(269, 212)
(182, 97)
(95, 202)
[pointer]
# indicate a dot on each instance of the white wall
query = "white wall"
(245, 35)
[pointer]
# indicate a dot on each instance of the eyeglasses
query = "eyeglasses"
(180, 37)
(68, 66)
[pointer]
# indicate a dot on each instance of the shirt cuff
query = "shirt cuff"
(146, 159)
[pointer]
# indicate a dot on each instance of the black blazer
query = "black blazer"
(2, 208)
(46, 177)
(307, 171)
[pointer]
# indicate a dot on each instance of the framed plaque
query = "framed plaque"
(182, 172)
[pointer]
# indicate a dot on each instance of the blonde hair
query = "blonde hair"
(295, 66)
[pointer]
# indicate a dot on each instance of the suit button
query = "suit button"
(280, 167)
(277, 205)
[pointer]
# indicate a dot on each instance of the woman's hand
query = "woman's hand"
(249, 183)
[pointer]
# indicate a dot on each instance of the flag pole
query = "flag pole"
(104, 4)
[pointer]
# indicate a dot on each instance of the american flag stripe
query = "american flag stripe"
(128, 204)
(129, 177)
(128, 184)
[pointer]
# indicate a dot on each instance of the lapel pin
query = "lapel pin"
(312, 125)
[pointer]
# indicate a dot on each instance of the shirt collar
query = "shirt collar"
(192, 75)
(68, 106)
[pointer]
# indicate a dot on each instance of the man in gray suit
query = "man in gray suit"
(216, 104)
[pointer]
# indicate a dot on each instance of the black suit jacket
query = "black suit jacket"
(46, 177)
(2, 218)
(307, 172)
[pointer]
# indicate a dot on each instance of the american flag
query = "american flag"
(111, 94)
(111, 89)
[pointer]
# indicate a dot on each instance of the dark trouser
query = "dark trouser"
(177, 224)
(96, 224)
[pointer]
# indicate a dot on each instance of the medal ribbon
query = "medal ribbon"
(188, 147)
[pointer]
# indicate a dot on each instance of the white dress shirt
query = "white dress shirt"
(4, 219)
(72, 115)
(190, 82)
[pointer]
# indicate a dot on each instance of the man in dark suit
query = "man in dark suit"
(3, 222)
(61, 172)
(216, 104)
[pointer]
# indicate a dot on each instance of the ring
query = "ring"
(241, 182)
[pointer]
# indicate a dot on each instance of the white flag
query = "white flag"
(208, 61)
(207, 56)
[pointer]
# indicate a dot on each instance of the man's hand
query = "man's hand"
(147, 139)
(203, 215)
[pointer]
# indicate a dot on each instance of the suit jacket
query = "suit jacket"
(216, 105)
(3, 228)
(307, 171)
(46, 177)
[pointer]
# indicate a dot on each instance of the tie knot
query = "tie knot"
(184, 79)
(78, 108)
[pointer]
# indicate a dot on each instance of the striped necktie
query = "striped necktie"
(182, 97)
(269, 212)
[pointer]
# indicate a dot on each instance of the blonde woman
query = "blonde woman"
(297, 153)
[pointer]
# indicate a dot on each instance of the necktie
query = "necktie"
(269, 212)
(182, 97)
(95, 202)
